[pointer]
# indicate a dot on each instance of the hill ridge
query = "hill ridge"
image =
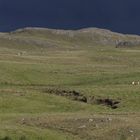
(88, 29)
(90, 35)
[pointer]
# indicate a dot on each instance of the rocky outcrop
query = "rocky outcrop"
(123, 44)
(77, 96)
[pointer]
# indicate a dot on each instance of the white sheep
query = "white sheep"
(135, 83)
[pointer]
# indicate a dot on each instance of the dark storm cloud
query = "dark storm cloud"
(117, 15)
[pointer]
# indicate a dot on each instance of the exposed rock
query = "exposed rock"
(109, 102)
(81, 127)
(90, 120)
(77, 96)
(123, 44)
(90, 35)
(109, 119)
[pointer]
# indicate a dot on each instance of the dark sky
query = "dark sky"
(116, 15)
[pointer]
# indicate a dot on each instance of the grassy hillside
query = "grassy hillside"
(61, 85)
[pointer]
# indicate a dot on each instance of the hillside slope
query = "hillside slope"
(51, 37)
(69, 85)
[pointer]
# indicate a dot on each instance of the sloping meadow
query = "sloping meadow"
(60, 85)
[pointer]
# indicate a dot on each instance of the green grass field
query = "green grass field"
(33, 62)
